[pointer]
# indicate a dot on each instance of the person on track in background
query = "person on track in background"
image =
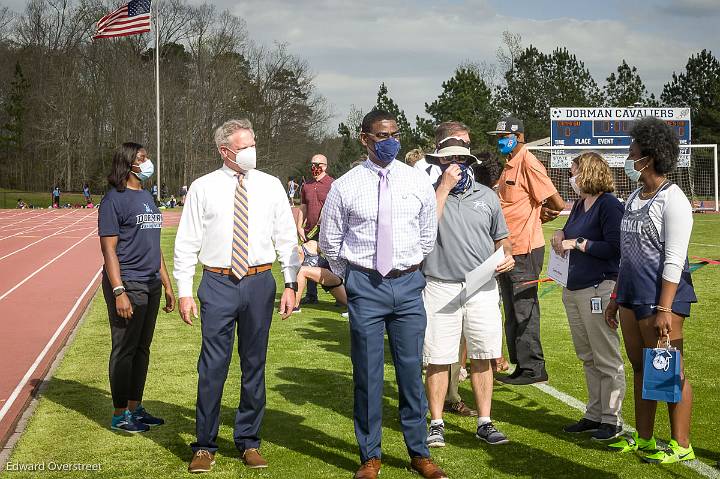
(56, 197)
(133, 278)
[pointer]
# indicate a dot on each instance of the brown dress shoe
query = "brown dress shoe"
(202, 461)
(426, 468)
(253, 459)
(460, 408)
(369, 469)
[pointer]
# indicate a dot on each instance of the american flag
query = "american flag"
(127, 20)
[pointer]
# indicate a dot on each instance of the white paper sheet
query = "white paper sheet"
(557, 269)
(477, 278)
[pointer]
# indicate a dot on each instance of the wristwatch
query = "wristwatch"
(293, 286)
(579, 242)
(118, 291)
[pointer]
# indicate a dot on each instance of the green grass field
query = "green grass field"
(308, 430)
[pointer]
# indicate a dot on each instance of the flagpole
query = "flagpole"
(157, 96)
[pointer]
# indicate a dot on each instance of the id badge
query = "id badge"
(596, 305)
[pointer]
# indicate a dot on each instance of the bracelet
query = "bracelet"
(663, 309)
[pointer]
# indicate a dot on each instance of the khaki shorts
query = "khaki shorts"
(451, 314)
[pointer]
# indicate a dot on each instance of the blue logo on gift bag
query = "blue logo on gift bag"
(661, 374)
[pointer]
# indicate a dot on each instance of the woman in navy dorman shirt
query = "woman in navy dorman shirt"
(591, 237)
(134, 275)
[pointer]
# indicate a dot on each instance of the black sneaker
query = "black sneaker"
(307, 300)
(436, 436)
(488, 433)
(523, 378)
(606, 432)
(583, 425)
(142, 416)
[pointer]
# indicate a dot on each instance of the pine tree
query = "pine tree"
(465, 98)
(698, 88)
(538, 81)
(626, 88)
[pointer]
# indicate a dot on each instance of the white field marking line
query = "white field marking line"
(18, 226)
(28, 217)
(41, 356)
(4, 295)
(34, 227)
(703, 244)
(696, 465)
(43, 239)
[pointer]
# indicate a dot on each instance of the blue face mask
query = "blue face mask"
(146, 170)
(465, 181)
(387, 150)
(507, 144)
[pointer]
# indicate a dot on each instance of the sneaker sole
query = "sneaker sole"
(114, 428)
(497, 443)
(598, 439)
(436, 444)
(197, 471)
(580, 432)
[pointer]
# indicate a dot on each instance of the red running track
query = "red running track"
(50, 265)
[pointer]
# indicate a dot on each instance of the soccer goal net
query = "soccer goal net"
(696, 173)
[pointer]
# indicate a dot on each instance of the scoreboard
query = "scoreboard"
(607, 127)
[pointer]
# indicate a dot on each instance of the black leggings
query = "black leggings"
(130, 355)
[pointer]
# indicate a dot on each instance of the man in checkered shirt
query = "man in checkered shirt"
(378, 224)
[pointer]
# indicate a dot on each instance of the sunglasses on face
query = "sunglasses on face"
(383, 135)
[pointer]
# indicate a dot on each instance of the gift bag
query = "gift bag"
(661, 373)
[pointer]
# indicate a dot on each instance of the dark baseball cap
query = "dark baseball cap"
(508, 124)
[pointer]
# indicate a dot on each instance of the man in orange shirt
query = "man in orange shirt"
(528, 198)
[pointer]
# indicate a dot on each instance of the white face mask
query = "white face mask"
(575, 187)
(246, 158)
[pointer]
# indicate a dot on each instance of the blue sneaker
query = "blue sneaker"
(126, 422)
(144, 417)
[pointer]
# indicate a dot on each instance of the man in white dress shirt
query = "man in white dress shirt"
(236, 221)
(378, 223)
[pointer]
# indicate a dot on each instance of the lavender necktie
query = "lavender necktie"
(384, 247)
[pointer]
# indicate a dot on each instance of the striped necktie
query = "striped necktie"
(239, 263)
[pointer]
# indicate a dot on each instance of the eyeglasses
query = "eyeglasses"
(383, 135)
(318, 164)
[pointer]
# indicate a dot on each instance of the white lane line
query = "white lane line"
(41, 356)
(46, 237)
(703, 244)
(27, 218)
(33, 228)
(696, 465)
(4, 295)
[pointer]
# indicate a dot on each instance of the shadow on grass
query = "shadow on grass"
(279, 427)
(333, 335)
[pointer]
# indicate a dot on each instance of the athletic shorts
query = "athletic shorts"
(642, 311)
(450, 314)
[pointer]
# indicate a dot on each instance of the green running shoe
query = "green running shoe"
(674, 453)
(633, 444)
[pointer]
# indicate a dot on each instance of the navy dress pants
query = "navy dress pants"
(227, 302)
(377, 304)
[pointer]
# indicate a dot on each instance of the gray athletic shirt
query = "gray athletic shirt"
(467, 231)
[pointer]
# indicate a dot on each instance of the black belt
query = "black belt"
(394, 273)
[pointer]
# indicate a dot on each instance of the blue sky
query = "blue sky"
(413, 46)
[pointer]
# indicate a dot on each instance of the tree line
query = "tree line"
(66, 102)
(526, 82)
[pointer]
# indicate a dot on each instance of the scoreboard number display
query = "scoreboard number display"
(606, 127)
